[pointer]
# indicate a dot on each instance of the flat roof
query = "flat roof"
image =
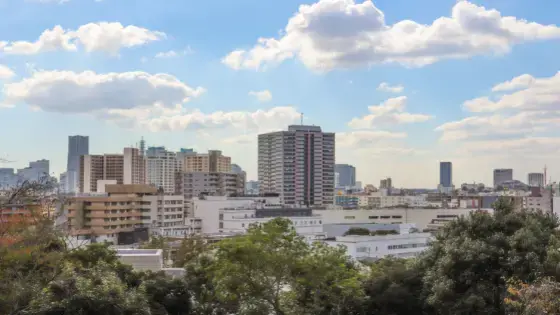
(138, 252)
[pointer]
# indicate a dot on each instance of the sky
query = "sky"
(404, 84)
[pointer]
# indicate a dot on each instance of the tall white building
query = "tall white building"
(161, 166)
(298, 164)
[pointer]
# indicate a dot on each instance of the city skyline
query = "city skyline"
(186, 82)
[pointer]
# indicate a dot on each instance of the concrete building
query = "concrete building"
(539, 200)
(502, 175)
(213, 161)
(346, 175)
(236, 168)
(535, 179)
(420, 217)
(35, 171)
(124, 214)
(8, 178)
(161, 166)
(371, 248)
(298, 164)
(386, 183)
(193, 184)
(127, 168)
(77, 147)
(234, 215)
(252, 188)
(446, 174)
(334, 230)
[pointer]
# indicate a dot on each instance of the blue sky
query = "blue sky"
(98, 75)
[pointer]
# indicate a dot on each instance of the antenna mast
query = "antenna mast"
(545, 176)
(301, 119)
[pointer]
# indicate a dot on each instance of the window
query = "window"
(349, 217)
(397, 217)
(385, 217)
(374, 217)
(362, 249)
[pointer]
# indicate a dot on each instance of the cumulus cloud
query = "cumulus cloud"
(333, 34)
(83, 92)
(386, 87)
(5, 72)
(392, 111)
(526, 106)
(93, 37)
(366, 138)
(173, 53)
(261, 96)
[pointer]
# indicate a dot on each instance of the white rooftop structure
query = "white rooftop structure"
(142, 259)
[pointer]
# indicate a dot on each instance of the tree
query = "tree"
(357, 231)
(539, 298)
(467, 265)
(394, 287)
(271, 270)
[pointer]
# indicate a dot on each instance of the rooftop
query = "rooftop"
(138, 252)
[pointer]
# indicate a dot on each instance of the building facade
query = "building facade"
(77, 147)
(298, 164)
(502, 175)
(213, 161)
(127, 168)
(445, 174)
(194, 184)
(346, 175)
(535, 179)
(161, 166)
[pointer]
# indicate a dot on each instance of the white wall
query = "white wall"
(375, 247)
(422, 217)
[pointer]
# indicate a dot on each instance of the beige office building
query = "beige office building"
(213, 161)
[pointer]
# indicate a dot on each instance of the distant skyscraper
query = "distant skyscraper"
(535, 179)
(35, 171)
(346, 175)
(502, 175)
(298, 164)
(445, 174)
(77, 146)
(386, 183)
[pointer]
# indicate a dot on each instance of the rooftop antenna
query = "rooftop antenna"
(301, 119)
(545, 175)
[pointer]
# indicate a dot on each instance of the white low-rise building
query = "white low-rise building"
(376, 247)
(421, 217)
(234, 215)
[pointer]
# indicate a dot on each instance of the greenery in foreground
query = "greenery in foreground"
(507, 263)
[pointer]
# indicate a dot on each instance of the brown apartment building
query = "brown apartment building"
(213, 161)
(126, 168)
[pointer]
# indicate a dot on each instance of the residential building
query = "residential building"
(194, 184)
(535, 179)
(445, 174)
(161, 166)
(371, 248)
(386, 183)
(127, 168)
(236, 168)
(148, 260)
(346, 175)
(124, 214)
(77, 147)
(213, 161)
(298, 164)
(234, 215)
(539, 200)
(502, 175)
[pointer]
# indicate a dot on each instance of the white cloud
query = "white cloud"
(333, 34)
(386, 87)
(531, 107)
(102, 37)
(173, 53)
(261, 96)
(87, 92)
(5, 72)
(392, 111)
(365, 138)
